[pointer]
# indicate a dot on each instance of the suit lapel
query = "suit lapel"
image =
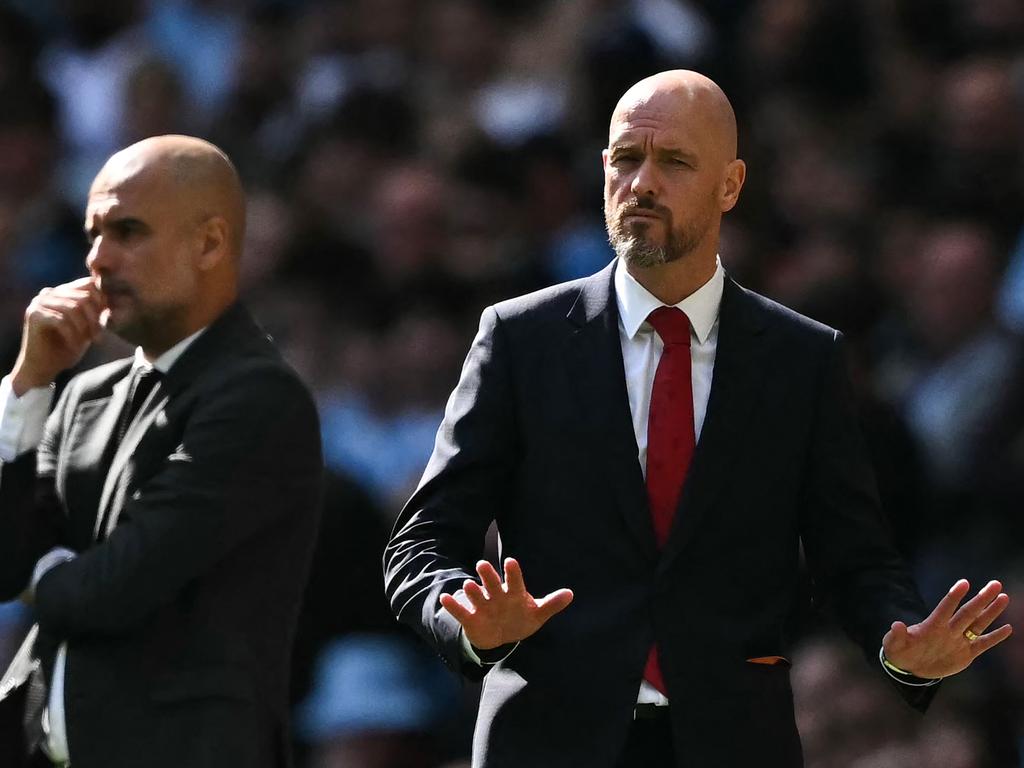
(231, 331)
(740, 362)
(94, 424)
(594, 359)
(118, 478)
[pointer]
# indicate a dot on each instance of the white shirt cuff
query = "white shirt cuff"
(48, 562)
(22, 419)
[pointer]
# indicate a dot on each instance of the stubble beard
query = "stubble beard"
(632, 246)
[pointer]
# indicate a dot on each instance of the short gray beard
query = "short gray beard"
(637, 252)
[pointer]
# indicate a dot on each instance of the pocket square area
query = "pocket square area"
(180, 454)
(769, 660)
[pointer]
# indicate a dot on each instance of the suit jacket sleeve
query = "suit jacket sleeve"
(846, 536)
(31, 517)
(250, 449)
(440, 533)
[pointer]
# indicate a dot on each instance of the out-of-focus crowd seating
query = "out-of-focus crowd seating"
(410, 161)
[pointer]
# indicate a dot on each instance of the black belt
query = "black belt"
(650, 712)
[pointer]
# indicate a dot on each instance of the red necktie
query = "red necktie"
(670, 436)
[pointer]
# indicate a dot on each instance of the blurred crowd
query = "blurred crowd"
(410, 161)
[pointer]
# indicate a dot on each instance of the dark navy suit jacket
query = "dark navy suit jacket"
(538, 437)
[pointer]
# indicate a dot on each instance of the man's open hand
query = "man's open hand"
(942, 644)
(502, 613)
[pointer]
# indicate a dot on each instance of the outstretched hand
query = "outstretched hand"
(950, 638)
(501, 613)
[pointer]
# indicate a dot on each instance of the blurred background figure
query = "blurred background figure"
(409, 162)
(400, 726)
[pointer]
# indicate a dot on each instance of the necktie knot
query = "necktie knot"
(671, 324)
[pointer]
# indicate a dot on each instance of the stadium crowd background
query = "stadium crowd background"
(410, 161)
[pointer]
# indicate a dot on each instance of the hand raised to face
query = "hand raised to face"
(500, 613)
(60, 324)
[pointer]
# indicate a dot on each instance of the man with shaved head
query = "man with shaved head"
(655, 443)
(161, 520)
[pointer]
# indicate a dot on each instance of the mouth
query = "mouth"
(112, 291)
(642, 213)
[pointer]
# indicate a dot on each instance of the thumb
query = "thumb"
(896, 638)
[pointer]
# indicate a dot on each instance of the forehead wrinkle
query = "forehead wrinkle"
(679, 99)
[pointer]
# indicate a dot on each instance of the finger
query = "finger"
(990, 614)
(461, 613)
(97, 302)
(972, 609)
(991, 640)
(81, 311)
(553, 603)
(66, 305)
(490, 577)
(475, 594)
(514, 577)
(896, 638)
(947, 605)
(72, 313)
(92, 318)
(82, 282)
(54, 321)
(89, 309)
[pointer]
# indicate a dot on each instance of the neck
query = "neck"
(196, 320)
(672, 282)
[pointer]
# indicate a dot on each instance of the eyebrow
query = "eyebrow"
(626, 146)
(91, 232)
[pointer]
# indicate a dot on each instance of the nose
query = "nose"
(99, 256)
(645, 181)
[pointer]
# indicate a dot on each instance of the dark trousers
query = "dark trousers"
(649, 744)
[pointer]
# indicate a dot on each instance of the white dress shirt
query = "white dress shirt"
(22, 421)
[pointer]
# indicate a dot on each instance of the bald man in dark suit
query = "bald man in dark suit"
(655, 443)
(161, 519)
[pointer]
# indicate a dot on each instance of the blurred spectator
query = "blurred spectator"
(154, 102)
(977, 156)
(87, 68)
(41, 241)
(968, 358)
(202, 39)
(378, 702)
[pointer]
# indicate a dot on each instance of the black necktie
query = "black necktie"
(142, 381)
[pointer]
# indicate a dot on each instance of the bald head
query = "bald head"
(670, 172)
(190, 173)
(165, 220)
(685, 97)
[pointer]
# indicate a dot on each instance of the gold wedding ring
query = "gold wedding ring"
(971, 636)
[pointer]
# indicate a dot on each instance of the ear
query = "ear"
(604, 159)
(213, 242)
(735, 175)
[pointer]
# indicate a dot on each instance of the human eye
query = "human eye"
(677, 161)
(124, 229)
(625, 156)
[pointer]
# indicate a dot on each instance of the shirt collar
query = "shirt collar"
(164, 362)
(636, 302)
